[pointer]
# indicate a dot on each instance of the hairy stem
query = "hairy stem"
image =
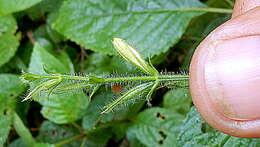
(103, 80)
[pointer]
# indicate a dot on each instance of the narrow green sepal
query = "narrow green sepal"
(127, 96)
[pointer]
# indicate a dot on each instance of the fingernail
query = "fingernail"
(232, 76)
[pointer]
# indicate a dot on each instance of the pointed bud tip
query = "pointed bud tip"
(117, 39)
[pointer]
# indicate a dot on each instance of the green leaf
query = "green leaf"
(8, 41)
(10, 6)
(153, 26)
(7, 24)
(157, 127)
(8, 47)
(177, 100)
(41, 57)
(64, 108)
(59, 108)
(133, 141)
(195, 132)
(11, 87)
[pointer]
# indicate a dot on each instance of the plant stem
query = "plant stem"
(160, 78)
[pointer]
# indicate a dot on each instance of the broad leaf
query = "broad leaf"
(11, 87)
(195, 132)
(64, 108)
(8, 41)
(152, 26)
(41, 58)
(59, 108)
(10, 6)
(157, 127)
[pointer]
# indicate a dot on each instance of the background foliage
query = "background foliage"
(74, 36)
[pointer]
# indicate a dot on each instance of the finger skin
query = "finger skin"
(240, 26)
(242, 6)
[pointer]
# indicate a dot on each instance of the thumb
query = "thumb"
(225, 73)
(242, 6)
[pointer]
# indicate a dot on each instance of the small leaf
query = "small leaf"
(129, 95)
(131, 55)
